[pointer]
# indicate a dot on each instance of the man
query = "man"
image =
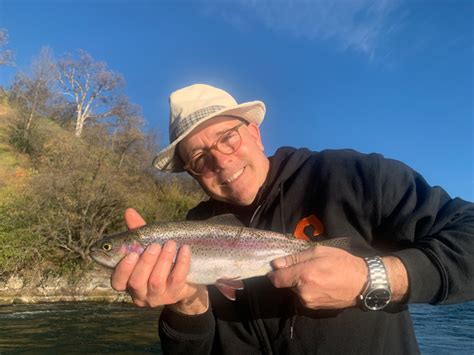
(416, 243)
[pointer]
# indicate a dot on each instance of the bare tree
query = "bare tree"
(34, 91)
(90, 85)
(127, 136)
(6, 55)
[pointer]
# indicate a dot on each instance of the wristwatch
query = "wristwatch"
(376, 294)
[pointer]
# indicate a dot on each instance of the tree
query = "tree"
(77, 194)
(127, 136)
(6, 55)
(34, 91)
(32, 94)
(91, 86)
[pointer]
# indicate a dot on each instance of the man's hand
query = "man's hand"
(325, 277)
(322, 277)
(152, 279)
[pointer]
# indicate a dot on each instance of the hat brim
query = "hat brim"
(167, 159)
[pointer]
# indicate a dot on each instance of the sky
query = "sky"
(388, 76)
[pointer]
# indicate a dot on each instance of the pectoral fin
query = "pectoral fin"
(228, 286)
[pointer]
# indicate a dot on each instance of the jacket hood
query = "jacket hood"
(283, 165)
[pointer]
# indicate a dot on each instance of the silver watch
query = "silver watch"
(377, 293)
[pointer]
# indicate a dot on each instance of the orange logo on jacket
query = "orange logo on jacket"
(305, 224)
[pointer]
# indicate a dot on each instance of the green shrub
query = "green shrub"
(20, 248)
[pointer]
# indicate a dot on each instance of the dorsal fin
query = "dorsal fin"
(344, 243)
(226, 219)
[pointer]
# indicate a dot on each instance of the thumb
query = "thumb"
(292, 259)
(133, 219)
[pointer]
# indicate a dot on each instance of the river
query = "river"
(99, 328)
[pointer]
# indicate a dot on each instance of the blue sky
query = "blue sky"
(387, 76)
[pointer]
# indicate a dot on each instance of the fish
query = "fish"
(223, 251)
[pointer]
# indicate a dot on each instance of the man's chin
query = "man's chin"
(236, 200)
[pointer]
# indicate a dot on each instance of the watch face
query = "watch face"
(377, 299)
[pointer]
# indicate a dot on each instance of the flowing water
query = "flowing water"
(89, 328)
(98, 328)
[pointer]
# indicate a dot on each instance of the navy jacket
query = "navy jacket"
(385, 207)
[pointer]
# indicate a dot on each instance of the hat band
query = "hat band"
(181, 126)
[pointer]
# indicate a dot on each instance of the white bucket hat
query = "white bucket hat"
(193, 105)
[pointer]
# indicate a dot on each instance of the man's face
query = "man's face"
(234, 178)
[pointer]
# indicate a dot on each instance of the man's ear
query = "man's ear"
(255, 134)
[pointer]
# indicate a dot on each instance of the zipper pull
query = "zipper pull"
(292, 326)
(255, 213)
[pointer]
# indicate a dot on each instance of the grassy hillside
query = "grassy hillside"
(67, 192)
(14, 172)
(13, 166)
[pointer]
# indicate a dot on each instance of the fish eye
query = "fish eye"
(107, 246)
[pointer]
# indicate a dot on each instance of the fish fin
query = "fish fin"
(290, 236)
(344, 243)
(233, 282)
(228, 287)
(227, 219)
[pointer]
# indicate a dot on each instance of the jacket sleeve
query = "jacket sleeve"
(186, 334)
(435, 230)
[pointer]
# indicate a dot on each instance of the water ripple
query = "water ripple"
(124, 329)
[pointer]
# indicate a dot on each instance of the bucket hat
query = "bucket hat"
(193, 105)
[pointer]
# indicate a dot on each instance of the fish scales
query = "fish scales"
(218, 251)
(228, 240)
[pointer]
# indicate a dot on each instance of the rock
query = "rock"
(14, 283)
(92, 286)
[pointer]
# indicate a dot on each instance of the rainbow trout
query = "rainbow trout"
(221, 253)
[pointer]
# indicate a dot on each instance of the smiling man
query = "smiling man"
(234, 167)
(415, 243)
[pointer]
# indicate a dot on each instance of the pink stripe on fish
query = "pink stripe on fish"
(237, 243)
(131, 248)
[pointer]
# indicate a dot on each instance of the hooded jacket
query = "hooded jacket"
(386, 207)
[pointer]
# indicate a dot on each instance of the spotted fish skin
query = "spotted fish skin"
(218, 251)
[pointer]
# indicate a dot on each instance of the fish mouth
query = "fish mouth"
(102, 258)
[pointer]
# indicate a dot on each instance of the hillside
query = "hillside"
(66, 193)
(32, 286)
(13, 166)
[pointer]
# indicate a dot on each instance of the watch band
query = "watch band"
(377, 272)
(377, 293)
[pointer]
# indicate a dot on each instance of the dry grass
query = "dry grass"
(13, 166)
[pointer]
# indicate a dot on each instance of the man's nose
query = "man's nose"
(220, 159)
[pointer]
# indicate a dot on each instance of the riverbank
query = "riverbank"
(30, 288)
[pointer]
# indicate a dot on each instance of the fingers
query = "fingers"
(155, 278)
(138, 281)
(133, 219)
(123, 271)
(158, 277)
(287, 269)
(293, 259)
(320, 279)
(181, 267)
(286, 277)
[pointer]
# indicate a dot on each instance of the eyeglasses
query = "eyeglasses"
(228, 143)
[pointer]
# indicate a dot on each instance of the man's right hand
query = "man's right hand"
(152, 279)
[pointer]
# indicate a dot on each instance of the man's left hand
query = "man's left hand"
(322, 277)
